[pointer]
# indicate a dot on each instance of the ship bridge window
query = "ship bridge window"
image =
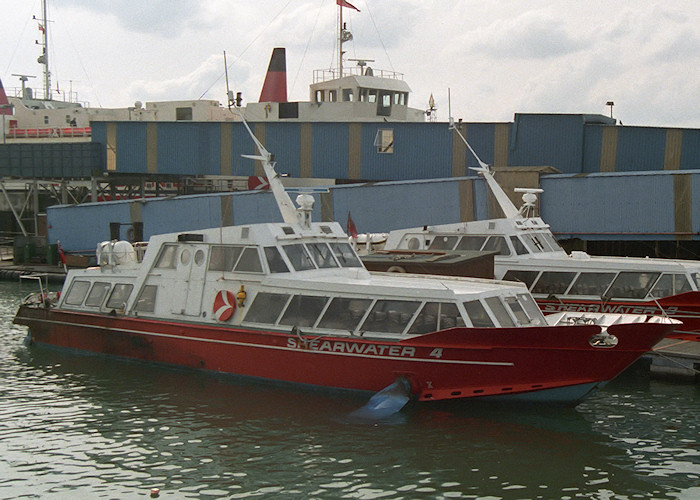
(266, 308)
(436, 316)
(78, 291)
(303, 310)
(532, 309)
(183, 114)
(275, 261)
(500, 311)
(670, 284)
(471, 243)
(299, 257)
(348, 96)
(389, 316)
(632, 285)
(497, 244)
(249, 262)
(554, 244)
(553, 282)
(346, 255)
(518, 245)
(534, 244)
(478, 315)
(322, 255)
(591, 284)
(224, 258)
(147, 299)
(443, 243)
(344, 313)
(119, 296)
(97, 294)
(318, 96)
(527, 277)
(332, 95)
(167, 257)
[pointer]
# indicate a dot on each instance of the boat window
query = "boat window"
(347, 95)
(591, 284)
(436, 316)
(499, 310)
(527, 277)
(299, 257)
(532, 309)
(554, 244)
(249, 261)
(147, 300)
(518, 245)
(389, 316)
(345, 255)
(77, 292)
(535, 245)
(471, 242)
(223, 258)
(199, 257)
(477, 314)
(166, 259)
(670, 284)
(696, 279)
(275, 261)
(497, 244)
(553, 282)
(443, 243)
(344, 313)
(372, 95)
(97, 294)
(632, 285)
(303, 310)
(119, 296)
(266, 307)
(517, 310)
(322, 255)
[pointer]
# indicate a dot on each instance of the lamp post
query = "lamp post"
(611, 104)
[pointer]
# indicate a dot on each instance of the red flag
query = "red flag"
(343, 3)
(352, 230)
(41, 28)
(61, 255)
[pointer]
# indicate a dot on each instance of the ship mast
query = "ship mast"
(44, 57)
(340, 40)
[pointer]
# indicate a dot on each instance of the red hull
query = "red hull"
(684, 307)
(450, 364)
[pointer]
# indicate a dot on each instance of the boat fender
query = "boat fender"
(224, 305)
(241, 296)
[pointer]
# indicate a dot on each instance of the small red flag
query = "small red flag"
(343, 3)
(352, 230)
(61, 255)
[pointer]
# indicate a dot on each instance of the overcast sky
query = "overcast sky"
(497, 58)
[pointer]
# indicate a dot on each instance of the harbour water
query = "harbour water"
(84, 426)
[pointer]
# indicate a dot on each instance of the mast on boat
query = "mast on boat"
(43, 59)
(343, 34)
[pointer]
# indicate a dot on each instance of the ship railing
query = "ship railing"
(324, 75)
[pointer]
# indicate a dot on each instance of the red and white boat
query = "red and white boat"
(528, 252)
(292, 302)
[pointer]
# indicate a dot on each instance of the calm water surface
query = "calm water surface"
(82, 426)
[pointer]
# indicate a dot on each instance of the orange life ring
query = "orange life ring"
(224, 305)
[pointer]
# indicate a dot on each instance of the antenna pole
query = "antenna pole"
(44, 58)
(340, 41)
(228, 92)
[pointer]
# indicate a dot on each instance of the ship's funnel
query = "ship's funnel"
(5, 109)
(275, 86)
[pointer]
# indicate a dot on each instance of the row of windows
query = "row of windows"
(388, 316)
(630, 285)
(523, 244)
(246, 259)
(81, 293)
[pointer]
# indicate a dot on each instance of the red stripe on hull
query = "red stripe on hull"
(456, 363)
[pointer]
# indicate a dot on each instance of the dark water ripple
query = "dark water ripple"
(76, 426)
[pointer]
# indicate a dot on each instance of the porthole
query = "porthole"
(185, 256)
(199, 257)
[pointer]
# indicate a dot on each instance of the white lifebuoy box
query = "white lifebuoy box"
(224, 305)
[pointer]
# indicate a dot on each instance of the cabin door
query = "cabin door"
(191, 267)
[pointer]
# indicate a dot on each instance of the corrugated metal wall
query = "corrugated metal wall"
(67, 160)
(614, 206)
(571, 143)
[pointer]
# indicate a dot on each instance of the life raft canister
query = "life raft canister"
(224, 305)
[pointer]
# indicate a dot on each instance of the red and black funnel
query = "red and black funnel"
(275, 86)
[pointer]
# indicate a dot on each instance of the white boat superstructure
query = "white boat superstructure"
(527, 251)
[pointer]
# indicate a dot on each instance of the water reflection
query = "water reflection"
(98, 427)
